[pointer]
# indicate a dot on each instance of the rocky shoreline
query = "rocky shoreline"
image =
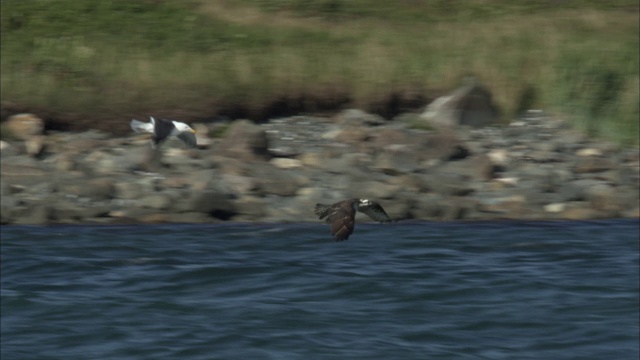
(535, 168)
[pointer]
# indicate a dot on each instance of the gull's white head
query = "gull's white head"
(364, 202)
(182, 127)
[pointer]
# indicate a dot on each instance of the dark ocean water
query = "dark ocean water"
(494, 290)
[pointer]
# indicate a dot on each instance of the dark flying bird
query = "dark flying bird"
(341, 215)
(163, 129)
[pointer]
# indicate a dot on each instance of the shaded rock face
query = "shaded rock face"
(535, 168)
(470, 105)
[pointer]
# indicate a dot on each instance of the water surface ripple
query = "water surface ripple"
(465, 290)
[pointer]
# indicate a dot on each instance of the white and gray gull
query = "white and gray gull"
(163, 129)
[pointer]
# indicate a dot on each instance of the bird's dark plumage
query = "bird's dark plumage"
(161, 130)
(341, 215)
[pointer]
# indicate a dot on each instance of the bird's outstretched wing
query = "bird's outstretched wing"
(139, 126)
(340, 217)
(342, 224)
(322, 210)
(188, 138)
(375, 211)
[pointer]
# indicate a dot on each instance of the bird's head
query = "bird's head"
(182, 127)
(363, 202)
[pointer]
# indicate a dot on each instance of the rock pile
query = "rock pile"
(535, 168)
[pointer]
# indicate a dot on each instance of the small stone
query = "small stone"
(499, 157)
(117, 213)
(504, 182)
(286, 163)
(555, 207)
(589, 152)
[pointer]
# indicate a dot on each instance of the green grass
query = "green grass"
(110, 59)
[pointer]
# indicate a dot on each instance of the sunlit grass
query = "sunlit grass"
(120, 57)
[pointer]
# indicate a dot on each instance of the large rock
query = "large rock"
(26, 175)
(477, 168)
(192, 217)
(576, 190)
(509, 206)
(607, 198)
(65, 211)
(442, 146)
(439, 207)
(7, 204)
(110, 161)
(155, 201)
(245, 141)
(352, 135)
(7, 150)
(251, 208)
(23, 126)
(35, 145)
(396, 160)
(35, 214)
(273, 181)
(470, 105)
(383, 137)
(214, 203)
(239, 184)
(358, 118)
(580, 211)
(372, 189)
(428, 206)
(127, 190)
(592, 165)
(95, 189)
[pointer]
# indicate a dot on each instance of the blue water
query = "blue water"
(486, 290)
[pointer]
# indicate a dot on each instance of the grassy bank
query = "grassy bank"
(114, 59)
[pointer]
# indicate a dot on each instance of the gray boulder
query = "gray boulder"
(451, 184)
(396, 160)
(250, 208)
(471, 105)
(95, 189)
(127, 190)
(373, 189)
(441, 146)
(439, 207)
(477, 168)
(356, 117)
(245, 140)
(155, 201)
(592, 165)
